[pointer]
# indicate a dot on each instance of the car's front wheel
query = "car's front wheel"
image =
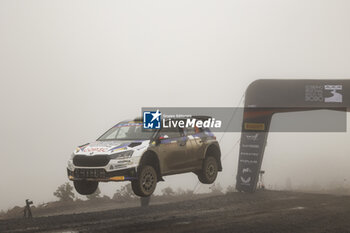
(146, 181)
(85, 187)
(209, 170)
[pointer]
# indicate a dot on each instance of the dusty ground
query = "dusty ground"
(268, 211)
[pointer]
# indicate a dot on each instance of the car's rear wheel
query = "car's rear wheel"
(209, 170)
(146, 183)
(85, 187)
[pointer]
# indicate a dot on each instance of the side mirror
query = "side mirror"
(160, 138)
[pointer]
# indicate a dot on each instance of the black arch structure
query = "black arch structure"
(264, 98)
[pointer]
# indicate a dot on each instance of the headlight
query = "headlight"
(72, 156)
(122, 155)
(70, 165)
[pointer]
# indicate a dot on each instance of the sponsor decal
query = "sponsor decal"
(117, 178)
(254, 126)
(151, 120)
(255, 146)
(106, 144)
(246, 170)
(82, 147)
(248, 161)
(336, 97)
(95, 149)
(246, 180)
(314, 93)
(118, 149)
(123, 146)
(253, 137)
(320, 93)
(249, 154)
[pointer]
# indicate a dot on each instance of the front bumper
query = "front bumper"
(101, 168)
(101, 175)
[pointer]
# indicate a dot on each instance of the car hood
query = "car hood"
(109, 147)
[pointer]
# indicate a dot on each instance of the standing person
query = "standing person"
(27, 211)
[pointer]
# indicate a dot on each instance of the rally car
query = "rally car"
(128, 152)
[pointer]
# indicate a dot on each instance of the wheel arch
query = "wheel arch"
(214, 150)
(150, 157)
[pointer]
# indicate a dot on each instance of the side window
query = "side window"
(189, 131)
(170, 133)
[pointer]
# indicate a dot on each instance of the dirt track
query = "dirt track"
(266, 211)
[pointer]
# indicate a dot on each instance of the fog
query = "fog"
(71, 69)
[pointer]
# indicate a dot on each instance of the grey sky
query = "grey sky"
(71, 69)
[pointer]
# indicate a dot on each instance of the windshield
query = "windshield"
(127, 131)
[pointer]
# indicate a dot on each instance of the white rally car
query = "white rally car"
(127, 152)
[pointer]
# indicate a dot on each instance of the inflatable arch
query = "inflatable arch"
(264, 98)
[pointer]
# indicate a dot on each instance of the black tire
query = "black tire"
(146, 181)
(209, 170)
(85, 187)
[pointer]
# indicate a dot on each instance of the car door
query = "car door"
(195, 146)
(172, 151)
